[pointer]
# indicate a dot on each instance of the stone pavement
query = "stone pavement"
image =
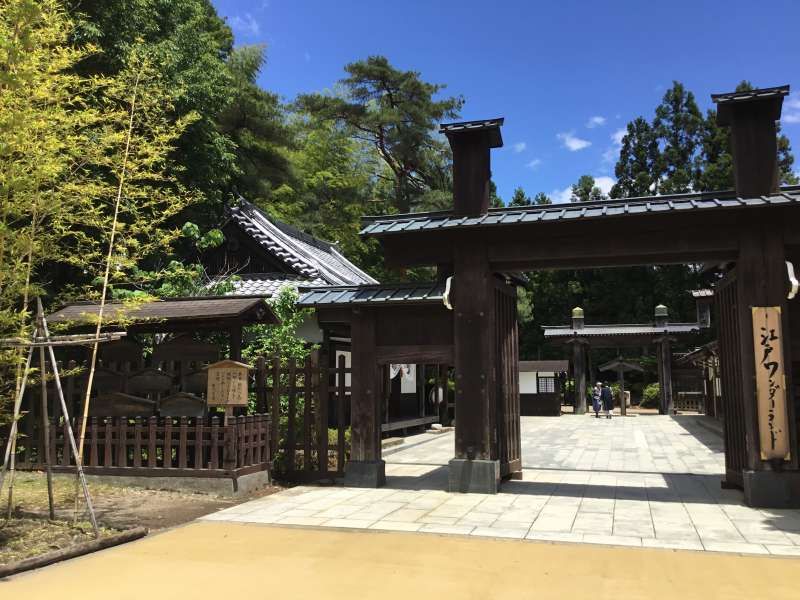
(648, 481)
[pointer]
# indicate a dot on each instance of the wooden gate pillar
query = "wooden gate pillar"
(762, 282)
(580, 351)
(365, 467)
(474, 468)
(666, 402)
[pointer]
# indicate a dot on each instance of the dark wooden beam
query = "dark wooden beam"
(418, 354)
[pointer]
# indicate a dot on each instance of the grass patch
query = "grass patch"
(24, 538)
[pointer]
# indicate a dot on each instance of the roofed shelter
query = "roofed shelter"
(176, 315)
(582, 338)
(751, 232)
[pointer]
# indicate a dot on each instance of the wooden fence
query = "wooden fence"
(311, 400)
(300, 429)
(157, 446)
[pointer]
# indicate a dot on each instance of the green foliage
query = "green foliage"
(396, 113)
(637, 168)
(189, 45)
(682, 150)
(541, 199)
(651, 396)
(280, 339)
(520, 198)
(255, 122)
(585, 190)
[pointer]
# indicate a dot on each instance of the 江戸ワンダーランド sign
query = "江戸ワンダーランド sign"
(770, 383)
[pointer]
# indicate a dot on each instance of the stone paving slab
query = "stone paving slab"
(662, 492)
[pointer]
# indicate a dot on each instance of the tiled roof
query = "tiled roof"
(716, 201)
(417, 293)
(567, 331)
(174, 309)
(266, 285)
(304, 254)
(492, 126)
(749, 95)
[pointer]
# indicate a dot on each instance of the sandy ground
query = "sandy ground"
(213, 560)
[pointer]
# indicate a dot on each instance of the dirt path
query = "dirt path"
(213, 560)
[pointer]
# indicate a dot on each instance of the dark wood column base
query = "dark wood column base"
(772, 489)
(365, 473)
(474, 476)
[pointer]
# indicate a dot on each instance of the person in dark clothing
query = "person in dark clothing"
(607, 399)
(596, 395)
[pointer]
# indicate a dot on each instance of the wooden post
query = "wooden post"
(579, 369)
(46, 433)
(476, 467)
(665, 373)
(365, 468)
(761, 281)
(236, 342)
(623, 409)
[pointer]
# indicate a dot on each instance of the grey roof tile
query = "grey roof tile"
(376, 226)
(305, 255)
(374, 294)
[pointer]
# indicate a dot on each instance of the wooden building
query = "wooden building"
(750, 233)
(541, 387)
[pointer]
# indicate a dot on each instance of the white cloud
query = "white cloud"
(595, 121)
(605, 183)
(519, 147)
(561, 196)
(617, 136)
(791, 109)
(611, 154)
(245, 24)
(571, 142)
(534, 163)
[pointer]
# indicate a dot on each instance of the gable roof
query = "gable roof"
(709, 201)
(303, 254)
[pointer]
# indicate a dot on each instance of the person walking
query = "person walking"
(596, 399)
(607, 399)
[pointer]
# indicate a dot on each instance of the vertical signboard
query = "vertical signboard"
(770, 383)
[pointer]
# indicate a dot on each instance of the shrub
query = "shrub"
(650, 396)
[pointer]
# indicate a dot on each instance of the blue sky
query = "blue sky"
(566, 75)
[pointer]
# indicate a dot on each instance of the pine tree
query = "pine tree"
(395, 111)
(638, 161)
(541, 199)
(678, 124)
(585, 190)
(520, 198)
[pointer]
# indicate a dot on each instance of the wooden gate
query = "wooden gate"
(508, 446)
(307, 401)
(729, 335)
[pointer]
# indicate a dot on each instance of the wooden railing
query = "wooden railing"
(309, 403)
(160, 446)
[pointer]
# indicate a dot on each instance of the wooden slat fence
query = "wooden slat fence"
(309, 409)
(188, 446)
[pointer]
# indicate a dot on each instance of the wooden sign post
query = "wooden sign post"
(770, 383)
(227, 385)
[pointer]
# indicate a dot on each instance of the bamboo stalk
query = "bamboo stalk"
(109, 256)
